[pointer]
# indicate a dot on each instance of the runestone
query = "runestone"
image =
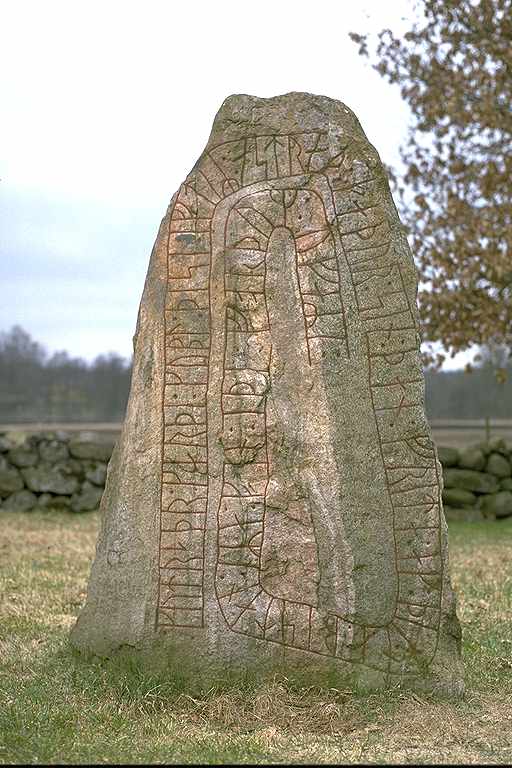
(274, 500)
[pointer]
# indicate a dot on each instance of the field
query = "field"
(459, 433)
(456, 433)
(56, 708)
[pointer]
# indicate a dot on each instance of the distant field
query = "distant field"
(460, 432)
(454, 432)
(457, 438)
(105, 430)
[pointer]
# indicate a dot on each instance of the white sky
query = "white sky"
(105, 108)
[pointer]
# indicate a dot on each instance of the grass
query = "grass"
(55, 708)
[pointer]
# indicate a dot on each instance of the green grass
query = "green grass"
(57, 708)
(481, 555)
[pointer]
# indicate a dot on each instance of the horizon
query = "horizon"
(48, 353)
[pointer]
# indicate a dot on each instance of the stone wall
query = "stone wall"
(477, 481)
(52, 470)
(56, 470)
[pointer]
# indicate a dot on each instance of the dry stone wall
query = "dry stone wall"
(52, 470)
(477, 481)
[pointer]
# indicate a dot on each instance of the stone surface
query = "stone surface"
(274, 501)
(82, 448)
(498, 445)
(52, 501)
(469, 480)
(21, 501)
(96, 473)
(458, 497)
(74, 467)
(498, 465)
(5, 444)
(49, 479)
(449, 457)
(483, 446)
(471, 458)
(71, 467)
(23, 456)
(50, 435)
(506, 484)
(89, 498)
(497, 504)
(53, 451)
(10, 481)
(16, 437)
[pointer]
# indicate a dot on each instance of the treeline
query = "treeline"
(36, 387)
(475, 395)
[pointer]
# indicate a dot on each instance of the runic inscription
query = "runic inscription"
(268, 227)
(276, 495)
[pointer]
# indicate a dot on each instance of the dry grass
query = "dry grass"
(56, 708)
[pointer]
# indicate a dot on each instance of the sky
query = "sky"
(106, 106)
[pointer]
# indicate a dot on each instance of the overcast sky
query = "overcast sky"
(107, 105)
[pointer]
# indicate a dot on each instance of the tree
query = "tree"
(110, 378)
(21, 359)
(454, 68)
(36, 387)
(17, 345)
